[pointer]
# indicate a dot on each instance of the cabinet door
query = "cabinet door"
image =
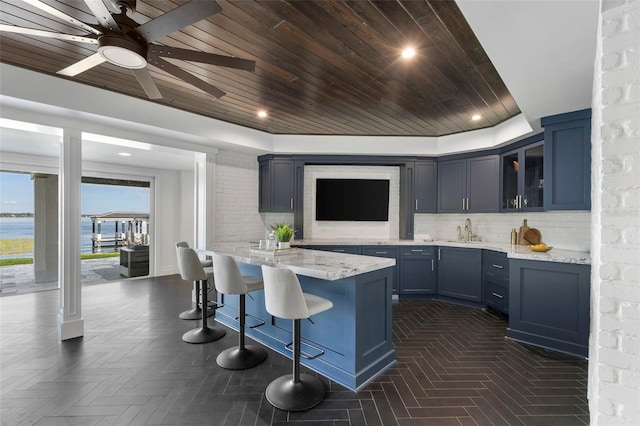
(483, 181)
(417, 270)
(460, 273)
(388, 252)
(282, 185)
(567, 169)
(426, 189)
(264, 192)
(452, 181)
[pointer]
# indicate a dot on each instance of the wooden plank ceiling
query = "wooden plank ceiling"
(322, 67)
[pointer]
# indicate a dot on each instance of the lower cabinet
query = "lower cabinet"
(389, 252)
(460, 273)
(549, 305)
(496, 280)
(417, 270)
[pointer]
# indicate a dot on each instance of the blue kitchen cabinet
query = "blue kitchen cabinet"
(469, 185)
(426, 187)
(567, 167)
(276, 185)
(417, 271)
(349, 249)
(390, 252)
(460, 274)
(495, 275)
(522, 178)
(549, 305)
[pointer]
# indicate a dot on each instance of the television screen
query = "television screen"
(352, 199)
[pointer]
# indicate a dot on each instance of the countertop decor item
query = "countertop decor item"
(524, 228)
(533, 236)
(542, 247)
(284, 233)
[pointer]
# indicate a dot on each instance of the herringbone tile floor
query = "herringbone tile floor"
(454, 368)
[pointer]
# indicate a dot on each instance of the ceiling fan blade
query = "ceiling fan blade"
(82, 66)
(39, 33)
(202, 57)
(101, 12)
(61, 15)
(144, 78)
(185, 76)
(177, 19)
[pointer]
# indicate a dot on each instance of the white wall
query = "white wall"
(614, 352)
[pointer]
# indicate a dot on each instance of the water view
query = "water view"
(22, 227)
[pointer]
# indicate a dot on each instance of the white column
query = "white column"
(70, 322)
(45, 227)
(205, 193)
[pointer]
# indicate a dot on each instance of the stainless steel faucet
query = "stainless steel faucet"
(467, 227)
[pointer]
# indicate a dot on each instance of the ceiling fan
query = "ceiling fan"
(127, 44)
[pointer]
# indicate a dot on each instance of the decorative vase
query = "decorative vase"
(284, 244)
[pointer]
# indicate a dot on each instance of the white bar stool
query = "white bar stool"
(284, 298)
(191, 270)
(229, 280)
(196, 312)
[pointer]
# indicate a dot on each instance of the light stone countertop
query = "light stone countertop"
(513, 251)
(311, 263)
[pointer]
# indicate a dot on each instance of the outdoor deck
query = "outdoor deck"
(18, 279)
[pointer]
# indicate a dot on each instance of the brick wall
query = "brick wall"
(236, 210)
(614, 368)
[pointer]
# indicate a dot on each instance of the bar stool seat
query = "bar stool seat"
(228, 280)
(284, 298)
(191, 270)
(196, 312)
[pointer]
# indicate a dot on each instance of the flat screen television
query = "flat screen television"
(352, 199)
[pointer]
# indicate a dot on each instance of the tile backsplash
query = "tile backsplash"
(569, 230)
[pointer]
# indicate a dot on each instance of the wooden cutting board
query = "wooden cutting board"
(524, 228)
(532, 236)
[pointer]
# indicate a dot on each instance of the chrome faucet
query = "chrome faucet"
(467, 227)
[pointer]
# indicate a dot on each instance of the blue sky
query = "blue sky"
(16, 196)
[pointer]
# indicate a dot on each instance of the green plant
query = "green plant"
(284, 232)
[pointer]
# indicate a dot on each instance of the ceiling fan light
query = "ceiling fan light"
(122, 57)
(122, 52)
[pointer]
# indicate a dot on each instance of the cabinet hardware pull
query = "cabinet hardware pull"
(432, 265)
(338, 250)
(499, 296)
(292, 204)
(416, 204)
(381, 252)
(417, 250)
(439, 251)
(463, 204)
(498, 266)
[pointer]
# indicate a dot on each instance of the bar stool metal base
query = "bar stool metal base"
(203, 335)
(195, 313)
(285, 394)
(237, 358)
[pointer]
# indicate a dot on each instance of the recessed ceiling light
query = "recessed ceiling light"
(124, 154)
(476, 117)
(262, 114)
(408, 53)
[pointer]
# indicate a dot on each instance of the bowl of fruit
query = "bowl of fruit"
(542, 247)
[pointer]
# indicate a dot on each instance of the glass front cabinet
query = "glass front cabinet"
(522, 180)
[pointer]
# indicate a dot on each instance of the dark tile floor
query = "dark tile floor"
(454, 368)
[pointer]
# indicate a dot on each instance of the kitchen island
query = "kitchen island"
(351, 343)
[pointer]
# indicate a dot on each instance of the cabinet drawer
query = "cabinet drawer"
(417, 251)
(496, 267)
(391, 252)
(497, 296)
(340, 249)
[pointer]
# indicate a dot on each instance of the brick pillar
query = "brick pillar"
(614, 357)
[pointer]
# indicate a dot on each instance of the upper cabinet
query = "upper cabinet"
(522, 178)
(277, 185)
(426, 186)
(567, 167)
(468, 185)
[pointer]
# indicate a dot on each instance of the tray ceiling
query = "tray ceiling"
(322, 67)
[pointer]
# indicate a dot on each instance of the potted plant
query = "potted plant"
(284, 232)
